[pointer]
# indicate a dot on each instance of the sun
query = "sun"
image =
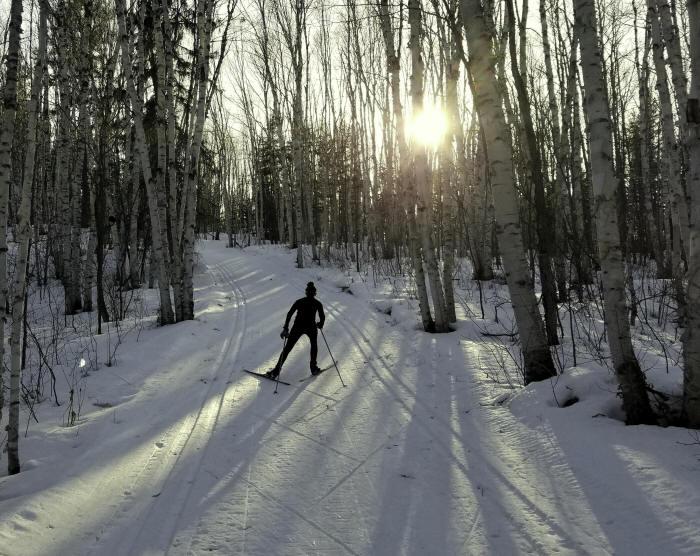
(428, 127)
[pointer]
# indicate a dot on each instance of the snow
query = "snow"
(429, 449)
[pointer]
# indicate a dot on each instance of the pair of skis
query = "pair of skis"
(263, 375)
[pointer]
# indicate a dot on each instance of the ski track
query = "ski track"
(192, 538)
(408, 459)
(160, 515)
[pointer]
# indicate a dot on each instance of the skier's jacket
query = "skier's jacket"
(306, 309)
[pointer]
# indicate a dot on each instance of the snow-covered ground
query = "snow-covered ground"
(177, 451)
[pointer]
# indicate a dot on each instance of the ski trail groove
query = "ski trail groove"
(184, 544)
(238, 334)
(161, 512)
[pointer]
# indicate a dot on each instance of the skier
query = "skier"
(304, 323)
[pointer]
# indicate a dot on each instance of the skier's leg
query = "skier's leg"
(293, 338)
(313, 336)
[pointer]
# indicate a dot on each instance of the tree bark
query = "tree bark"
(635, 401)
(204, 29)
(691, 337)
(489, 105)
(159, 253)
(545, 231)
(7, 131)
(394, 68)
(421, 172)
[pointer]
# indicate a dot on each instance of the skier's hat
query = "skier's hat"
(310, 288)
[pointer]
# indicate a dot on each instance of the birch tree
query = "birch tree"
(423, 195)
(488, 102)
(22, 237)
(157, 236)
(635, 401)
(204, 31)
(393, 62)
(7, 131)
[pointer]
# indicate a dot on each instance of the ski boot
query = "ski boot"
(273, 373)
(315, 370)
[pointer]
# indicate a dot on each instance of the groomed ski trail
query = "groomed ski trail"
(153, 530)
(410, 458)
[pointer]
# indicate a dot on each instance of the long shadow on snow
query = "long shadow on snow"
(658, 527)
(416, 500)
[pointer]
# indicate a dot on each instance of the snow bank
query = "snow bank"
(580, 392)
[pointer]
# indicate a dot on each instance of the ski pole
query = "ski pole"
(277, 378)
(332, 358)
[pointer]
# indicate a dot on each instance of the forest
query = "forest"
(533, 165)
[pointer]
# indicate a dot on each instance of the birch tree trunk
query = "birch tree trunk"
(580, 207)
(7, 131)
(159, 254)
(675, 63)
(297, 126)
(88, 278)
(204, 29)
(489, 105)
(423, 194)
(456, 173)
(394, 68)
(23, 237)
(542, 213)
(691, 337)
(635, 401)
(167, 153)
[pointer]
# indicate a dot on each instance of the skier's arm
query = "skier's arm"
(289, 315)
(321, 315)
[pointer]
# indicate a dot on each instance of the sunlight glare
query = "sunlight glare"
(427, 127)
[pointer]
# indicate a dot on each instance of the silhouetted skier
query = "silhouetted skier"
(304, 323)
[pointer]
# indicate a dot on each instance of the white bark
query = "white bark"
(394, 68)
(578, 214)
(159, 255)
(672, 158)
(489, 105)
(421, 172)
(9, 102)
(84, 135)
(23, 236)
(453, 175)
(632, 384)
(675, 63)
(168, 151)
(204, 29)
